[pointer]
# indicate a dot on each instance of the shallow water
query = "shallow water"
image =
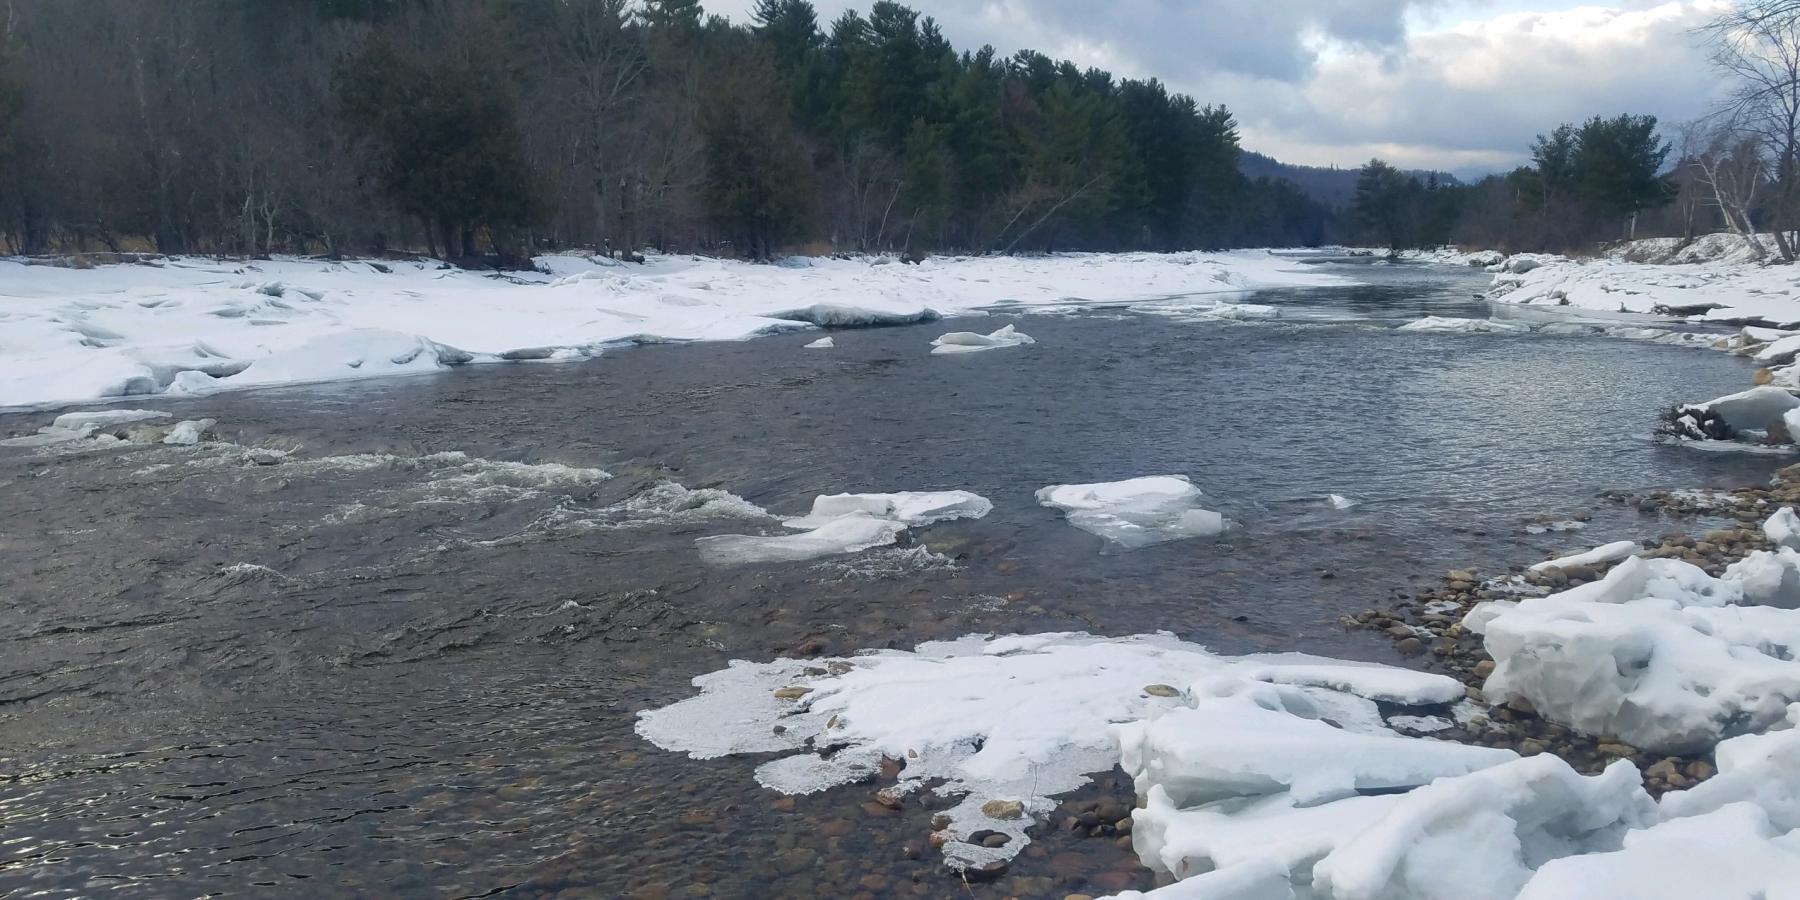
(413, 673)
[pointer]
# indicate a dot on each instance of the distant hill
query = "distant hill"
(1329, 185)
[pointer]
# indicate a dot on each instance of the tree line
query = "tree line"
(499, 128)
(1736, 169)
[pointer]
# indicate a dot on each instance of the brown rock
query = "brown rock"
(1484, 668)
(1411, 646)
(1003, 809)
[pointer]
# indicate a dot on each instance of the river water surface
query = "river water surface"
(369, 668)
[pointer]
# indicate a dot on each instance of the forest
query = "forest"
(491, 130)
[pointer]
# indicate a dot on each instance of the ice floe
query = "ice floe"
(823, 343)
(971, 342)
(845, 523)
(1137, 512)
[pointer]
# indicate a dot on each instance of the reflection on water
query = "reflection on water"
(363, 668)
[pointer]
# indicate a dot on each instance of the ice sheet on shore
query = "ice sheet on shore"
(1137, 512)
(1024, 718)
(198, 325)
(845, 523)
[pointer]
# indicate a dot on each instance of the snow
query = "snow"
(823, 343)
(845, 523)
(1714, 279)
(970, 342)
(1733, 853)
(192, 325)
(1752, 410)
(1026, 718)
(1608, 553)
(1137, 512)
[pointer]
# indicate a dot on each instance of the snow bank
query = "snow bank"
(1657, 654)
(845, 523)
(1748, 414)
(1021, 719)
(1137, 512)
(1709, 280)
(970, 342)
(195, 325)
(1734, 853)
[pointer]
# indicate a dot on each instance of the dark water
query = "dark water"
(429, 688)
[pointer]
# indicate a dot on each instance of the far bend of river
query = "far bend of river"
(431, 688)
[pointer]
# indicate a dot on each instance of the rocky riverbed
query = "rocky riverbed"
(1724, 528)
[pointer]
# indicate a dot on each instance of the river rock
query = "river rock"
(1003, 809)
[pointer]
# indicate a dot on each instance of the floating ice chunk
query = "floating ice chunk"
(1420, 724)
(189, 432)
(1451, 325)
(1011, 718)
(1339, 501)
(88, 420)
(1780, 350)
(663, 504)
(846, 523)
(845, 534)
(910, 508)
(823, 343)
(1608, 553)
(1731, 853)
(1481, 836)
(1783, 528)
(836, 315)
(1242, 311)
(1137, 512)
(970, 342)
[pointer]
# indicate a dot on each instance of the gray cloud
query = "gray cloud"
(1456, 84)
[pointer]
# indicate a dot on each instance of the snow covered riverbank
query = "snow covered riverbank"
(191, 326)
(1714, 279)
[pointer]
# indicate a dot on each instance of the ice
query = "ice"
(1767, 578)
(1481, 836)
(665, 504)
(970, 342)
(823, 343)
(1657, 654)
(1762, 769)
(351, 354)
(189, 432)
(846, 534)
(1339, 501)
(1449, 325)
(1137, 512)
(1783, 528)
(845, 523)
(1732, 853)
(1025, 718)
(1715, 278)
(1244, 739)
(832, 315)
(1608, 553)
(1752, 410)
(88, 420)
(910, 508)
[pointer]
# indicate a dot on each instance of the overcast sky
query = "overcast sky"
(1461, 85)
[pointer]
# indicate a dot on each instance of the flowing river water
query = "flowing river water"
(328, 655)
